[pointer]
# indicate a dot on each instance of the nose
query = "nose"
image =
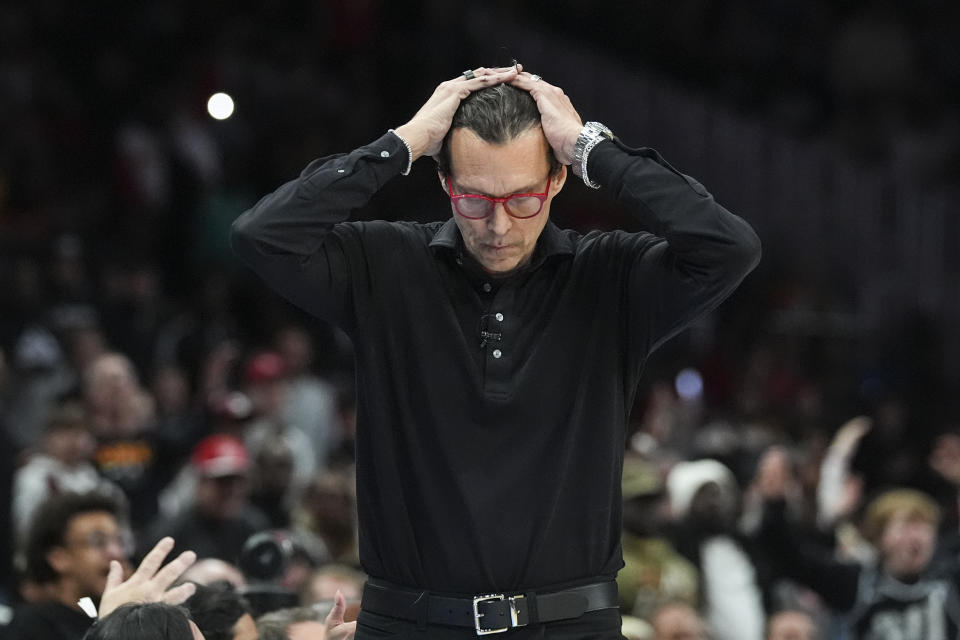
(499, 221)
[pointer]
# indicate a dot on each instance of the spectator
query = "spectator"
(678, 621)
(900, 595)
(791, 625)
(39, 376)
(146, 621)
(73, 539)
(221, 518)
(705, 502)
(121, 416)
(210, 570)
(311, 402)
(324, 583)
(272, 490)
(307, 623)
(62, 465)
(268, 387)
(287, 624)
(328, 509)
(654, 572)
(220, 613)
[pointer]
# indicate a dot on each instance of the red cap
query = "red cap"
(264, 367)
(220, 455)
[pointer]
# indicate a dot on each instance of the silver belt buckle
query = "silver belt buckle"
(481, 631)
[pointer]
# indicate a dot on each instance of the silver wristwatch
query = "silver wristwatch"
(591, 134)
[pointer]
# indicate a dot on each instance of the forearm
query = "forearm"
(295, 218)
(797, 557)
(288, 237)
(695, 254)
(708, 241)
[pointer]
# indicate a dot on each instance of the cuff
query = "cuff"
(406, 144)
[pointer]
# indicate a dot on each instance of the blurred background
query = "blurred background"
(833, 127)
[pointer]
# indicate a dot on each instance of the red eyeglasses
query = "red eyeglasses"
(518, 205)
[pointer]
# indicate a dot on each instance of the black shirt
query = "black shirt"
(47, 621)
(494, 468)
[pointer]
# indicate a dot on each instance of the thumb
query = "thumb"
(335, 617)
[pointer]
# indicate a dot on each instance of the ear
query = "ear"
(557, 180)
(443, 180)
(59, 559)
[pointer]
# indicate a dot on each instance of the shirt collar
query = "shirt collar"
(552, 240)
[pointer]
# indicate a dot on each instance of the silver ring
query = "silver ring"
(535, 77)
(469, 75)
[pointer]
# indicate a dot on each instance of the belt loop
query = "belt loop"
(422, 608)
(530, 597)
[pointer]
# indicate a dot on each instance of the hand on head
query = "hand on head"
(560, 120)
(150, 582)
(428, 127)
(426, 130)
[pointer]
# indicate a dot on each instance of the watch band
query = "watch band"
(592, 134)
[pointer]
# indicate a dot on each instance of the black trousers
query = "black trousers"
(595, 625)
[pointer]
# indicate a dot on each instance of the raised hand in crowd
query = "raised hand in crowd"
(150, 582)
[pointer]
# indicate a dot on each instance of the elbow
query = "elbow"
(242, 235)
(745, 253)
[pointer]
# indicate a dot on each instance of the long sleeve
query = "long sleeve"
(797, 558)
(288, 238)
(698, 253)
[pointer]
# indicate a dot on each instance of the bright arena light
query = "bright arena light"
(220, 106)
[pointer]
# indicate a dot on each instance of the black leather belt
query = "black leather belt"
(491, 613)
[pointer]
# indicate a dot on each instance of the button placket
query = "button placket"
(498, 382)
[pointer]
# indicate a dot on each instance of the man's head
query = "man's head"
(220, 613)
(902, 526)
(67, 437)
(266, 383)
(791, 625)
(72, 540)
(291, 624)
(146, 621)
(678, 621)
(496, 148)
(323, 584)
(221, 464)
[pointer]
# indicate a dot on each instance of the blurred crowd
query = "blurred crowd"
(145, 376)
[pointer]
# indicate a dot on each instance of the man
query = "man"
(900, 595)
(72, 541)
(678, 621)
(791, 624)
(221, 613)
(61, 465)
(705, 504)
(497, 354)
(221, 517)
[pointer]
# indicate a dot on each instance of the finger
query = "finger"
(179, 594)
(166, 576)
(335, 617)
(114, 576)
(152, 561)
(484, 75)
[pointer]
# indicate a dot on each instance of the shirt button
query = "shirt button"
(499, 317)
(384, 154)
(487, 287)
(497, 353)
